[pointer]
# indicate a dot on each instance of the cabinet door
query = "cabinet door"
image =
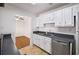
(38, 40)
(58, 18)
(42, 40)
(75, 9)
(45, 19)
(68, 17)
(41, 21)
(50, 18)
(34, 38)
(48, 45)
(37, 22)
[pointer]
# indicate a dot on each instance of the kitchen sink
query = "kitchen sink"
(47, 34)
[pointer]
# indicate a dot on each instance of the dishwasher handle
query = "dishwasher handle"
(60, 42)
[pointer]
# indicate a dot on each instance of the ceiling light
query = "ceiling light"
(17, 19)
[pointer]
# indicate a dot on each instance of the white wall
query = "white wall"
(28, 27)
(8, 23)
(20, 28)
(23, 27)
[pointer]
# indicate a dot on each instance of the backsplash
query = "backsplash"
(70, 30)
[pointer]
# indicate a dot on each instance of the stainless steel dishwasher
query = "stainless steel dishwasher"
(63, 44)
(60, 48)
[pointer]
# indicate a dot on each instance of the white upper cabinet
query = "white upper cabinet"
(68, 17)
(39, 22)
(64, 17)
(49, 18)
(58, 18)
(75, 9)
(43, 19)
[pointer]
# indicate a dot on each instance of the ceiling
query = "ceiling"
(38, 7)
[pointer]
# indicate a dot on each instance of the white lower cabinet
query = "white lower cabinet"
(38, 40)
(35, 39)
(43, 42)
(48, 44)
(42, 45)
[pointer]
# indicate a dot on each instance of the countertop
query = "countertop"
(56, 36)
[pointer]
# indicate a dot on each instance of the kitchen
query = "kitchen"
(52, 27)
